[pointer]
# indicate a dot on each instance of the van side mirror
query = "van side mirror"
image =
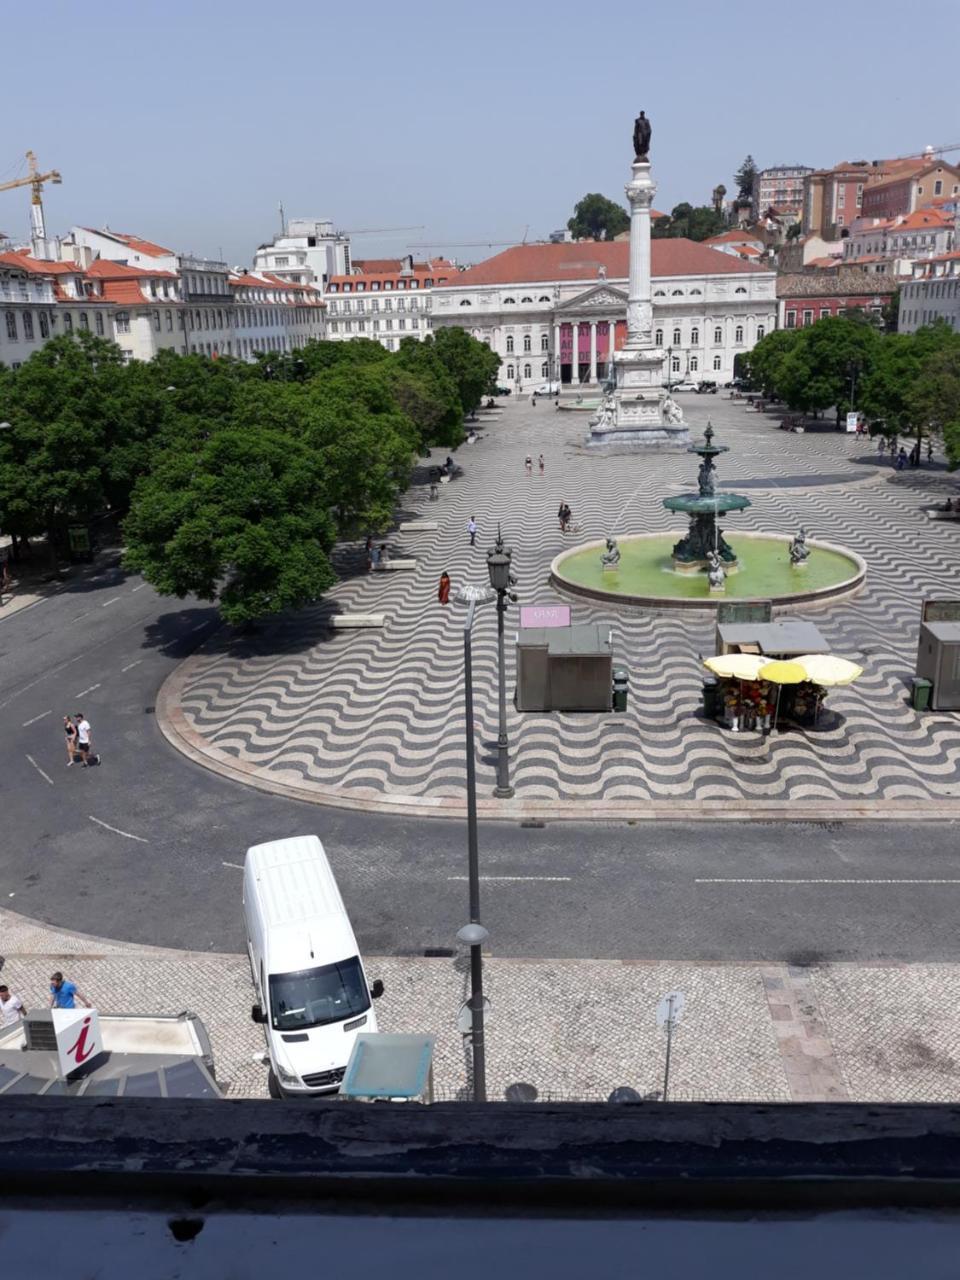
(257, 1014)
(376, 991)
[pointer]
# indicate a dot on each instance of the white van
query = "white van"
(309, 978)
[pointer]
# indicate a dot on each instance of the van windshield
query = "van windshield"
(315, 997)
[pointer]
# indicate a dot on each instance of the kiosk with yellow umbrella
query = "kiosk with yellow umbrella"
(818, 669)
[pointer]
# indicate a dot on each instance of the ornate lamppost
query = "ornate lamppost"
(501, 580)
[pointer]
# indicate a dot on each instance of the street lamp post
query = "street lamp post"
(501, 579)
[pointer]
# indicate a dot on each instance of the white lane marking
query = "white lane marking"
(83, 691)
(80, 615)
(131, 665)
(140, 588)
(106, 602)
(199, 626)
(39, 770)
(36, 718)
(116, 830)
(774, 880)
(519, 879)
(236, 865)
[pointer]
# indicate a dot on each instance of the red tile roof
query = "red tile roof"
(733, 237)
(40, 266)
(126, 291)
(529, 263)
(104, 269)
(135, 243)
(924, 218)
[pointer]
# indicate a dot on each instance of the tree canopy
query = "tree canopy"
(745, 178)
(232, 479)
(693, 223)
(597, 218)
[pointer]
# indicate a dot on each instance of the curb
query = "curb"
(178, 732)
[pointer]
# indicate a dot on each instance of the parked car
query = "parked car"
(547, 389)
(686, 384)
(707, 388)
(502, 391)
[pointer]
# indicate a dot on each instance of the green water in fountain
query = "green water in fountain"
(646, 569)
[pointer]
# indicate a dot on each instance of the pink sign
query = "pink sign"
(544, 615)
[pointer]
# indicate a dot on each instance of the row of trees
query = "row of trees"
(905, 384)
(232, 480)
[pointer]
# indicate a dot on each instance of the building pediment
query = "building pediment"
(596, 299)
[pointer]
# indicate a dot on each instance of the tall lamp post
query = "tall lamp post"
(501, 580)
(473, 934)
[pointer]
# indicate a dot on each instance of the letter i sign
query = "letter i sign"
(78, 1038)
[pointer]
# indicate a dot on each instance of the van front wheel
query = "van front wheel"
(273, 1084)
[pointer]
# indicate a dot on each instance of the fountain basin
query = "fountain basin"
(646, 575)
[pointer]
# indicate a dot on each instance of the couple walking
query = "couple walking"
(78, 731)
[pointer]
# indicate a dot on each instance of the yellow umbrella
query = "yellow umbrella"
(826, 670)
(783, 672)
(735, 666)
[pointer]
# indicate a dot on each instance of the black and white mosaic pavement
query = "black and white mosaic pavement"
(379, 714)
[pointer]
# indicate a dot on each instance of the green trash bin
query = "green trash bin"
(620, 682)
(920, 693)
(711, 697)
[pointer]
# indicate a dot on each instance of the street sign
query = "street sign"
(465, 1016)
(852, 420)
(670, 1009)
(544, 615)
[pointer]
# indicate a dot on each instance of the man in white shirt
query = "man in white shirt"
(11, 1007)
(83, 738)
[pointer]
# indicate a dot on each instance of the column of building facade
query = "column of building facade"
(593, 350)
(575, 353)
(556, 348)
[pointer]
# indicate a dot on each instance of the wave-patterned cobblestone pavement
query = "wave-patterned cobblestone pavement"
(378, 715)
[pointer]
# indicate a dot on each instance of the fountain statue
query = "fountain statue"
(611, 557)
(799, 551)
(672, 413)
(704, 508)
(716, 574)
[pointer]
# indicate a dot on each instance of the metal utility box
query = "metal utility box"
(938, 660)
(565, 668)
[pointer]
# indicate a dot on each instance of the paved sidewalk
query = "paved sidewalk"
(572, 1029)
(374, 719)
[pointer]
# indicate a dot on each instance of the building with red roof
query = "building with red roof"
(932, 294)
(556, 311)
(385, 299)
(893, 245)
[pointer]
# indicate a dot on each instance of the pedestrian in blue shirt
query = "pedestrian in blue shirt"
(63, 994)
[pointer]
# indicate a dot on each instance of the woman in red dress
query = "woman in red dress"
(443, 594)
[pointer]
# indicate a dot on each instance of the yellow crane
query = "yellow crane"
(35, 180)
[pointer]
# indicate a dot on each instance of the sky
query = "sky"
(473, 123)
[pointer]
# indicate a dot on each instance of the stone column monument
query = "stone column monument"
(636, 413)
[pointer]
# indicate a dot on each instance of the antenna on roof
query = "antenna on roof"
(283, 220)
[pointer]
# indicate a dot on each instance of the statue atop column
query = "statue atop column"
(641, 137)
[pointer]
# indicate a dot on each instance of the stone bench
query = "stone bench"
(419, 526)
(393, 564)
(356, 621)
(933, 514)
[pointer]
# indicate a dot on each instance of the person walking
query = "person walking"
(384, 555)
(443, 593)
(70, 729)
(64, 994)
(541, 464)
(368, 551)
(563, 515)
(374, 558)
(881, 446)
(472, 530)
(528, 464)
(901, 458)
(12, 1007)
(929, 448)
(84, 740)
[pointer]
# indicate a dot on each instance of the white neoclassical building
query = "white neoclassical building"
(555, 311)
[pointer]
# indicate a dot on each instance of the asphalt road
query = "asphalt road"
(148, 846)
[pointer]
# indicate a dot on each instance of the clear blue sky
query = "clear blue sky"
(187, 122)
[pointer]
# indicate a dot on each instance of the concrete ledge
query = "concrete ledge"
(391, 565)
(356, 621)
(953, 516)
(419, 526)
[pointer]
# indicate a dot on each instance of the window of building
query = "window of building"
(938, 187)
(415, 322)
(677, 293)
(67, 322)
(333, 326)
(716, 363)
(718, 333)
(388, 284)
(694, 364)
(527, 371)
(509, 302)
(824, 312)
(659, 293)
(694, 337)
(414, 304)
(676, 337)
(808, 317)
(738, 334)
(12, 326)
(675, 364)
(219, 319)
(401, 323)
(658, 338)
(361, 326)
(695, 293)
(28, 325)
(85, 323)
(740, 289)
(510, 371)
(544, 342)
(281, 262)
(544, 297)
(545, 369)
(465, 303)
(761, 330)
(361, 286)
(348, 288)
(527, 343)
(44, 325)
(169, 315)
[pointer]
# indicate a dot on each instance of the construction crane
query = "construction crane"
(35, 180)
(474, 244)
(378, 231)
(930, 151)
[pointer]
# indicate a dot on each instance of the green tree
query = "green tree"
(689, 222)
(472, 365)
(245, 521)
(764, 364)
(597, 218)
(937, 392)
(817, 372)
(436, 409)
(745, 178)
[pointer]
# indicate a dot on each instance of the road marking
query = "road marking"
(116, 830)
(83, 691)
(519, 879)
(131, 665)
(36, 718)
(236, 865)
(199, 626)
(80, 615)
(140, 588)
(774, 880)
(106, 602)
(39, 770)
